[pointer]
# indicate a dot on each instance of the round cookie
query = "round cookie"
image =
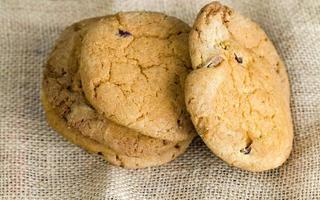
(133, 67)
(62, 87)
(237, 98)
(109, 154)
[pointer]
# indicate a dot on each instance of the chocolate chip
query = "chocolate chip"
(238, 59)
(164, 142)
(247, 149)
(177, 146)
(100, 153)
(124, 33)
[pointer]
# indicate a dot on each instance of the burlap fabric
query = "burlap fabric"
(37, 163)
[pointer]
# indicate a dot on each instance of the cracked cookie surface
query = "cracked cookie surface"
(63, 89)
(224, 22)
(115, 158)
(237, 96)
(133, 68)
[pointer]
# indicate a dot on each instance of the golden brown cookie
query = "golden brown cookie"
(229, 23)
(133, 68)
(115, 158)
(63, 88)
(237, 95)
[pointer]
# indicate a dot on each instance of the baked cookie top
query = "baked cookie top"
(63, 90)
(237, 95)
(217, 23)
(133, 68)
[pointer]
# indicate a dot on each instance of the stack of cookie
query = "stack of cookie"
(123, 86)
(115, 86)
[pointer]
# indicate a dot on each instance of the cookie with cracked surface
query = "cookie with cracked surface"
(231, 24)
(133, 67)
(62, 86)
(237, 98)
(115, 158)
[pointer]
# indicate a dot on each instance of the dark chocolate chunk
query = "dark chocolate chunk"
(247, 149)
(238, 59)
(124, 33)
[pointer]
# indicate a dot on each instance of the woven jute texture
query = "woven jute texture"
(37, 163)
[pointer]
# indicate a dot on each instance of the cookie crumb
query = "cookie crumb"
(124, 33)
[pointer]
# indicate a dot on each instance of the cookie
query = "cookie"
(238, 92)
(93, 146)
(63, 88)
(133, 67)
(243, 30)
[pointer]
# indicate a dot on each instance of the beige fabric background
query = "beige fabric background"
(37, 163)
